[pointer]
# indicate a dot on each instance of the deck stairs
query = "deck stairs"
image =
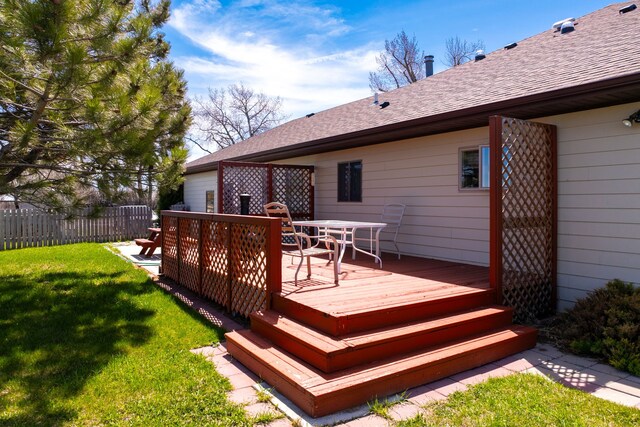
(325, 362)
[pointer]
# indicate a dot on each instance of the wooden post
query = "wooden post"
(495, 207)
(200, 251)
(230, 263)
(274, 259)
(554, 217)
(220, 187)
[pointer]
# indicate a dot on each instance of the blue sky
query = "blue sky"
(318, 54)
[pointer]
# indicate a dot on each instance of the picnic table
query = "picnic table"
(149, 245)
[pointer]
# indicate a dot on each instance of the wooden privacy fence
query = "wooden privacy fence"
(232, 260)
(23, 228)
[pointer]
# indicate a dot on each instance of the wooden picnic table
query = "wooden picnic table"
(149, 245)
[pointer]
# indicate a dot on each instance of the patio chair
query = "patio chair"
(392, 214)
(298, 244)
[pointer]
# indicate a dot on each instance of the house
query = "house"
(428, 148)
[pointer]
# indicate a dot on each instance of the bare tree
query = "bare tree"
(400, 64)
(231, 115)
(459, 51)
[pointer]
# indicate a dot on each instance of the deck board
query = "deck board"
(363, 285)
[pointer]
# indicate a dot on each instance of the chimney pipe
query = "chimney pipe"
(428, 65)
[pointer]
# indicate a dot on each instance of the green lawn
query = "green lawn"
(85, 339)
(524, 400)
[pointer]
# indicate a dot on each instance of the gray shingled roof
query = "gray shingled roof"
(604, 47)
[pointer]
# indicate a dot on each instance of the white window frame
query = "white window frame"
(213, 201)
(484, 167)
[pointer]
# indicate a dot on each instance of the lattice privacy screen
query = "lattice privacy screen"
(266, 183)
(524, 198)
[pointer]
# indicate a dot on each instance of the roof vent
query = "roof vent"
(511, 45)
(385, 104)
(310, 115)
(428, 65)
(566, 27)
(558, 25)
(480, 55)
(375, 99)
(627, 8)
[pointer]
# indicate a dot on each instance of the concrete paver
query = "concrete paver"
(423, 395)
(404, 411)
(243, 396)
(617, 396)
(368, 421)
(481, 374)
(447, 386)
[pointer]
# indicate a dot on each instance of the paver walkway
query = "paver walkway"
(573, 371)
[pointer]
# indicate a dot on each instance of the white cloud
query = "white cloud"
(275, 47)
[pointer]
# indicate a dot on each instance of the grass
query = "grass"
(85, 339)
(524, 400)
(381, 407)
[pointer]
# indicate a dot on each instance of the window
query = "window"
(210, 202)
(474, 167)
(350, 181)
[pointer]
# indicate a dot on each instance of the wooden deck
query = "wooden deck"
(369, 297)
(329, 347)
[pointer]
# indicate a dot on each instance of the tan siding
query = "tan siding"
(599, 200)
(598, 197)
(195, 188)
(440, 221)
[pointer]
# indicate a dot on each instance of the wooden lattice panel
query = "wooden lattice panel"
(248, 272)
(170, 247)
(189, 254)
(265, 183)
(292, 187)
(527, 172)
(215, 268)
(244, 179)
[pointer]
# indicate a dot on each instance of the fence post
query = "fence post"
(229, 267)
(2, 234)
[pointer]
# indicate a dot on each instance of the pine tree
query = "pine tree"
(88, 100)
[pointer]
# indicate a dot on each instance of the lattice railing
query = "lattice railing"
(524, 203)
(234, 261)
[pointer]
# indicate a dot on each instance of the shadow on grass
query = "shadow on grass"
(56, 334)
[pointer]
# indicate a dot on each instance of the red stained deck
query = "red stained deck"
(369, 297)
(328, 347)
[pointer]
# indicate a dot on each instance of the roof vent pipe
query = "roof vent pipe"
(566, 27)
(375, 98)
(428, 65)
(480, 55)
(627, 8)
(385, 104)
(557, 25)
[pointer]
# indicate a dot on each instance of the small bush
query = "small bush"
(606, 324)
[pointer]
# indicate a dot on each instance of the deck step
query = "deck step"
(330, 354)
(319, 393)
(379, 315)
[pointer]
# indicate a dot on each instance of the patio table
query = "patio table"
(346, 231)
